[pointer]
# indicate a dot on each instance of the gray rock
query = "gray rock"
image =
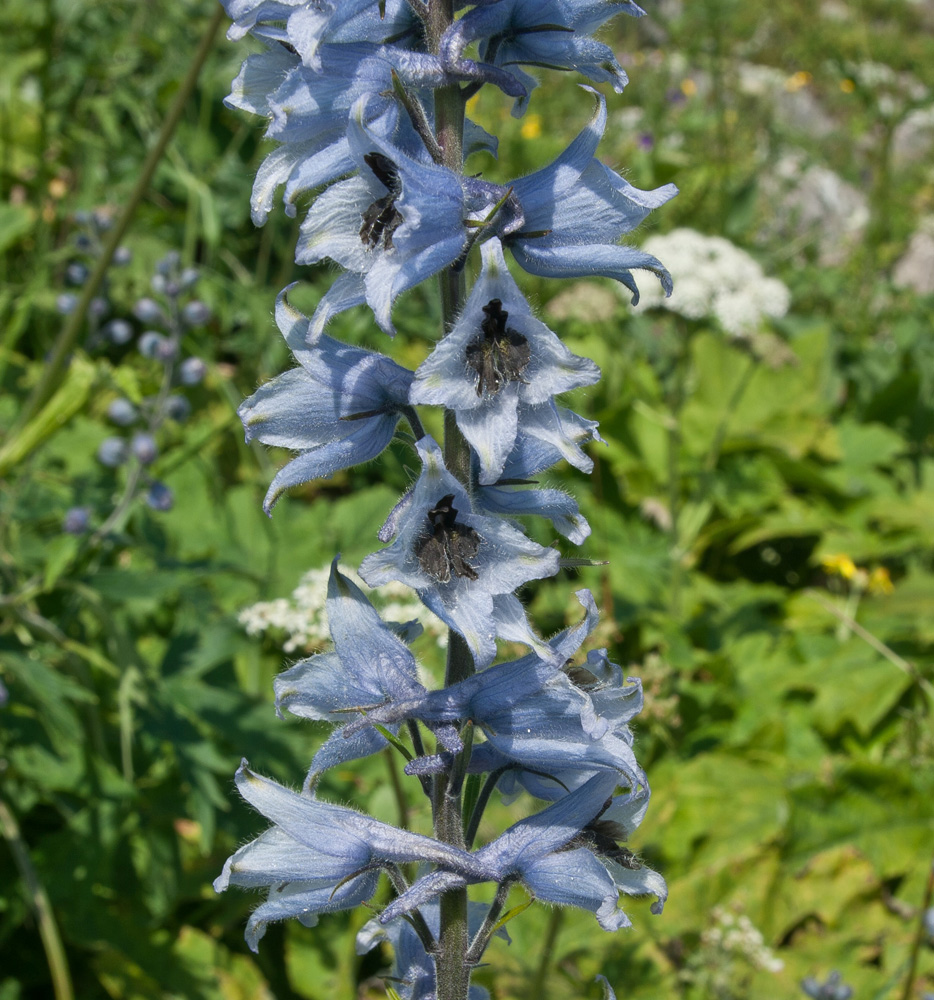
(813, 206)
(915, 269)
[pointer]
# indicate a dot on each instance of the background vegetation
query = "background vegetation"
(765, 505)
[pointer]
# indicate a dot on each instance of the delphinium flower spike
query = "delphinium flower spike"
(367, 101)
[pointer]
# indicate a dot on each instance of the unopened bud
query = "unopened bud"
(150, 343)
(144, 448)
(118, 331)
(160, 497)
(112, 452)
(195, 313)
(121, 412)
(76, 520)
(177, 408)
(76, 273)
(148, 311)
(191, 371)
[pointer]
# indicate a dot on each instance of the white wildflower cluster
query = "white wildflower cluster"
(302, 616)
(736, 934)
(714, 279)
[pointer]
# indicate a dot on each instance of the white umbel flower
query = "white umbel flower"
(302, 615)
(714, 279)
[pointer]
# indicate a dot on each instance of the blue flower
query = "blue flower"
(533, 715)
(396, 223)
(463, 565)
(308, 26)
(548, 433)
(577, 209)
(496, 359)
(370, 665)
(339, 408)
(308, 114)
(833, 989)
(549, 33)
(542, 852)
(555, 505)
(318, 857)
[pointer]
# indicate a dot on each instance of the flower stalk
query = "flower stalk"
(351, 112)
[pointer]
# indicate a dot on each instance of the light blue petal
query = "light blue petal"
(547, 434)
(345, 292)
(589, 261)
(577, 878)
(556, 506)
(298, 900)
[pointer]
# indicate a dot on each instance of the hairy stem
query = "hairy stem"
(452, 967)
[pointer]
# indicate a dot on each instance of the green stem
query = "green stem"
(451, 965)
(48, 929)
(53, 368)
(398, 791)
(675, 403)
(919, 936)
(537, 989)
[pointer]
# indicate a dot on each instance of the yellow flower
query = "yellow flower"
(847, 86)
(880, 582)
(688, 87)
(532, 127)
(841, 565)
(798, 80)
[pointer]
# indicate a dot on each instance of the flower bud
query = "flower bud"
(118, 331)
(169, 263)
(121, 412)
(150, 343)
(144, 447)
(76, 520)
(148, 311)
(189, 277)
(112, 452)
(157, 283)
(177, 408)
(122, 256)
(65, 303)
(98, 306)
(191, 371)
(195, 313)
(76, 273)
(167, 349)
(160, 497)
(103, 220)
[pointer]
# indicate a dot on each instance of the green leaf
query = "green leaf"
(15, 222)
(70, 397)
(394, 740)
(59, 553)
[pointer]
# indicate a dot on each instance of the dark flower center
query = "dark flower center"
(501, 355)
(382, 218)
(447, 545)
(603, 837)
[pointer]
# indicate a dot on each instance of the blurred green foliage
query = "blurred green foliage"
(766, 510)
